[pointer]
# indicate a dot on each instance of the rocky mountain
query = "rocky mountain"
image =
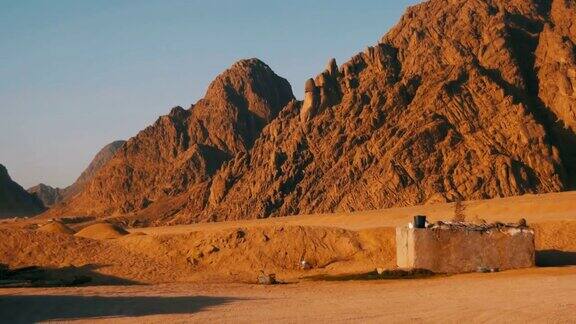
(462, 99)
(14, 200)
(48, 195)
(51, 196)
(99, 160)
(179, 153)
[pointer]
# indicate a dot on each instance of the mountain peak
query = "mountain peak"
(463, 99)
(252, 86)
(184, 149)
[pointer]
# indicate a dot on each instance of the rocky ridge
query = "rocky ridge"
(169, 165)
(463, 99)
(14, 200)
(51, 196)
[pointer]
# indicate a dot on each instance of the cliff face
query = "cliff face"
(183, 149)
(14, 200)
(51, 196)
(554, 80)
(463, 99)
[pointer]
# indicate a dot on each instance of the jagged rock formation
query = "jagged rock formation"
(458, 101)
(51, 196)
(463, 99)
(321, 93)
(177, 155)
(555, 81)
(14, 200)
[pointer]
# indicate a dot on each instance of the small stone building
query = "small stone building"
(460, 248)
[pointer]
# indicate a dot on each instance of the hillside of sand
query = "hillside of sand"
(331, 244)
(212, 262)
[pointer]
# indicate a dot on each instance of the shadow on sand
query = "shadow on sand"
(37, 308)
(555, 258)
(373, 275)
(85, 275)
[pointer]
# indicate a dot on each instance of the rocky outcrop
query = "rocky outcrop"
(311, 101)
(169, 164)
(321, 93)
(463, 99)
(455, 102)
(14, 200)
(52, 196)
(555, 78)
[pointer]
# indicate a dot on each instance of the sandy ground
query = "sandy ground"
(545, 295)
(203, 272)
(534, 208)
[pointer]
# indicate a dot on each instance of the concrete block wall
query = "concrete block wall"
(460, 250)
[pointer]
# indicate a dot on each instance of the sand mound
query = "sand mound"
(102, 231)
(103, 261)
(238, 254)
(56, 227)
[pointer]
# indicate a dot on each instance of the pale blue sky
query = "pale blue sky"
(76, 75)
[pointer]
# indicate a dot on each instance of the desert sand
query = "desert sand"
(208, 271)
(534, 208)
(535, 295)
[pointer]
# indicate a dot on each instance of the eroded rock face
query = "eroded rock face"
(458, 101)
(555, 79)
(321, 93)
(100, 160)
(463, 99)
(161, 166)
(14, 200)
(311, 102)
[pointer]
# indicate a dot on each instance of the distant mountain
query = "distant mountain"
(463, 99)
(14, 200)
(51, 196)
(101, 158)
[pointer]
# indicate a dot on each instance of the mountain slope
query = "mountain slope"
(99, 160)
(183, 149)
(14, 200)
(459, 101)
(463, 99)
(51, 196)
